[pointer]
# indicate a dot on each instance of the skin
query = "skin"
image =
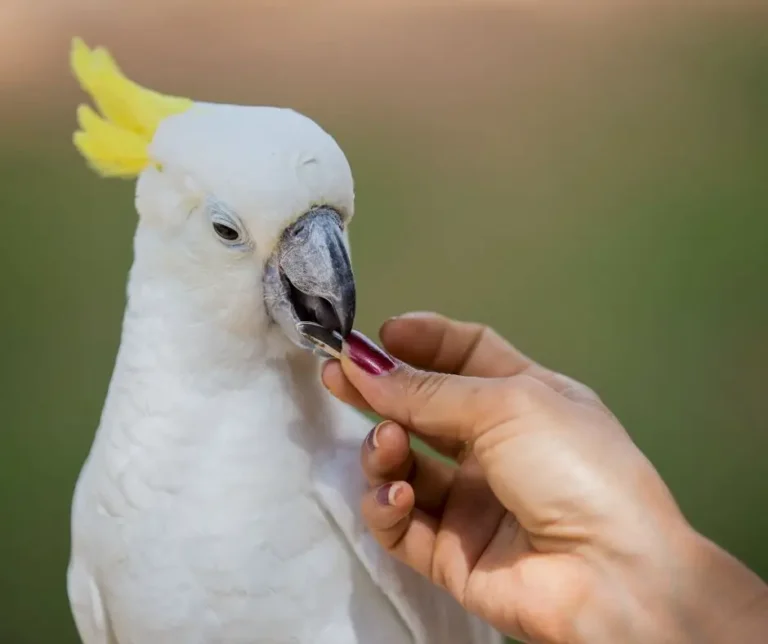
(554, 528)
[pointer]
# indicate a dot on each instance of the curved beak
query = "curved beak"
(315, 272)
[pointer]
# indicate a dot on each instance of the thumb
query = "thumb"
(437, 405)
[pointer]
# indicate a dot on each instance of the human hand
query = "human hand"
(554, 527)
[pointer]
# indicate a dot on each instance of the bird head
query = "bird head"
(245, 208)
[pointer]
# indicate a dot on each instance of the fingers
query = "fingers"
(443, 548)
(439, 344)
(433, 342)
(436, 343)
(574, 390)
(471, 516)
(457, 408)
(386, 455)
(339, 385)
(404, 531)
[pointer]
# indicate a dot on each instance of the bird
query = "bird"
(219, 500)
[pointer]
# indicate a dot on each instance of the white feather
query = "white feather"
(219, 501)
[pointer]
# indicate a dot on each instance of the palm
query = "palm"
(522, 583)
(448, 524)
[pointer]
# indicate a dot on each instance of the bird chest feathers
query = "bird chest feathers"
(219, 501)
(195, 516)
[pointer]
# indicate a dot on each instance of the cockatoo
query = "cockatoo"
(219, 500)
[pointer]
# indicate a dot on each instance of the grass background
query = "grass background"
(593, 184)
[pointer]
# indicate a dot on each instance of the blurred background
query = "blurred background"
(591, 180)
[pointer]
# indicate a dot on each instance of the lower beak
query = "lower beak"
(315, 268)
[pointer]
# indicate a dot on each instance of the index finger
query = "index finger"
(458, 408)
(433, 342)
(436, 343)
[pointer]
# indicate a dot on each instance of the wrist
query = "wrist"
(722, 600)
(683, 589)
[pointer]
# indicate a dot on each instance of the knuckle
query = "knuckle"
(477, 334)
(477, 330)
(584, 392)
(392, 538)
(568, 384)
(423, 388)
(486, 332)
(578, 391)
(481, 334)
(438, 573)
(521, 395)
(443, 572)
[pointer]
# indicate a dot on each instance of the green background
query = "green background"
(597, 190)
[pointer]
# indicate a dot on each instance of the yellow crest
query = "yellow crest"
(115, 143)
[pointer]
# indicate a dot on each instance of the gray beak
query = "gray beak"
(309, 278)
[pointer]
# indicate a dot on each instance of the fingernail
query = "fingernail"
(367, 355)
(370, 440)
(387, 494)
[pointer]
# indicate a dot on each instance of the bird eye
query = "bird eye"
(227, 233)
(227, 225)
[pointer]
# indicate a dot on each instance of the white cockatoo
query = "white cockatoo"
(219, 500)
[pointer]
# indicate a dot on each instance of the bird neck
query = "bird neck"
(172, 355)
(207, 323)
(202, 408)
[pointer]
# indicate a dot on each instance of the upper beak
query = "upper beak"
(313, 260)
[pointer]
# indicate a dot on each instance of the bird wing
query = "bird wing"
(88, 609)
(432, 616)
